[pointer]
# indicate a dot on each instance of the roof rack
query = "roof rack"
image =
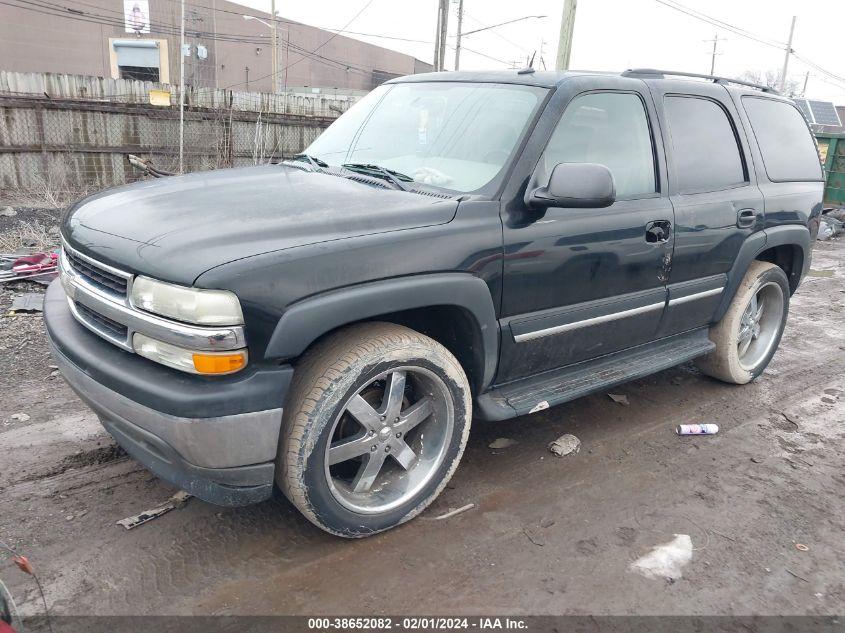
(661, 74)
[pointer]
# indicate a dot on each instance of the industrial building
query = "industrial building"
(139, 39)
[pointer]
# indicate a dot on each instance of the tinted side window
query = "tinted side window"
(706, 154)
(610, 129)
(784, 140)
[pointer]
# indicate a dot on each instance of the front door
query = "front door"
(582, 283)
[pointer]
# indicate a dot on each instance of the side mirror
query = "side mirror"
(577, 186)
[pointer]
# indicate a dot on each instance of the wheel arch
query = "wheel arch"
(455, 309)
(787, 246)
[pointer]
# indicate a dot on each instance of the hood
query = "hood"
(178, 227)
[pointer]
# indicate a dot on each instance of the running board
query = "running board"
(551, 388)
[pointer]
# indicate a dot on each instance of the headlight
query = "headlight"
(187, 360)
(191, 305)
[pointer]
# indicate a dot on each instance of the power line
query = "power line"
(724, 25)
(345, 26)
(46, 8)
(302, 58)
(495, 59)
(43, 7)
(384, 37)
(496, 33)
(818, 68)
(672, 4)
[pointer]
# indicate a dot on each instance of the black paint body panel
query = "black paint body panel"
(307, 252)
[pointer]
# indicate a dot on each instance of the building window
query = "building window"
(138, 59)
(141, 73)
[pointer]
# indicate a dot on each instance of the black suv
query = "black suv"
(457, 245)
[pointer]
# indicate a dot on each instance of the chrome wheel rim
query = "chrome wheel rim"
(759, 325)
(389, 440)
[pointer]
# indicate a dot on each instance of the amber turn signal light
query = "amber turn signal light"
(219, 363)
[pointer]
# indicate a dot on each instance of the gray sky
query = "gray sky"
(609, 34)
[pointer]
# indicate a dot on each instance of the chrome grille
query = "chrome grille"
(98, 297)
(103, 324)
(97, 275)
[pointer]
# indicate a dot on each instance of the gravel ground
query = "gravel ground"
(547, 535)
(27, 375)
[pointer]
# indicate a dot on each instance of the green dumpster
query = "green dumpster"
(832, 153)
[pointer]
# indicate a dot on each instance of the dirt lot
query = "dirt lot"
(547, 535)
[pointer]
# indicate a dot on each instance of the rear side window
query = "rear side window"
(706, 153)
(789, 153)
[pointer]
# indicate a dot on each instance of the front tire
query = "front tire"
(376, 422)
(748, 335)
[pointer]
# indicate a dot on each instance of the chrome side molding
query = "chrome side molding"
(575, 325)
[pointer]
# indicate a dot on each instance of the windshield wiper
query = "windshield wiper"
(370, 169)
(316, 163)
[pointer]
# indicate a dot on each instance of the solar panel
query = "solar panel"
(805, 109)
(824, 113)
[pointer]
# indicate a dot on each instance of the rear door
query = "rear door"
(713, 189)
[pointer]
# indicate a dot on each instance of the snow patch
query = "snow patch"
(667, 560)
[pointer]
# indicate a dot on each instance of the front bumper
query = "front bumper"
(216, 437)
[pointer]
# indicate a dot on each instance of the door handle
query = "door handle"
(657, 231)
(746, 218)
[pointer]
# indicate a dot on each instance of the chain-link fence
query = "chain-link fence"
(64, 135)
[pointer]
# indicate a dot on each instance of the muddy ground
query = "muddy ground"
(547, 535)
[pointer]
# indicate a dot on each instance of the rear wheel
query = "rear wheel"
(748, 335)
(377, 420)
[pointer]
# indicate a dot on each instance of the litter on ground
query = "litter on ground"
(565, 444)
(30, 302)
(176, 501)
(697, 429)
(452, 513)
(40, 267)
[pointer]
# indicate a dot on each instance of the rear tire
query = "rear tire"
(352, 457)
(748, 335)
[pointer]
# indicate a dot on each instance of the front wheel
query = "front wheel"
(377, 419)
(749, 334)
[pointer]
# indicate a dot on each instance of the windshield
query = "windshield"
(452, 135)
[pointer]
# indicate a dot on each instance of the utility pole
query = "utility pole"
(567, 26)
(458, 38)
(437, 36)
(444, 22)
(806, 79)
(274, 67)
(786, 57)
(715, 41)
(182, 92)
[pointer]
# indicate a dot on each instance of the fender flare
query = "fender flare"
(791, 234)
(305, 321)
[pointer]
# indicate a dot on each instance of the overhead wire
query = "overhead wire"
(721, 24)
(813, 65)
(45, 7)
(303, 57)
(672, 4)
(496, 33)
